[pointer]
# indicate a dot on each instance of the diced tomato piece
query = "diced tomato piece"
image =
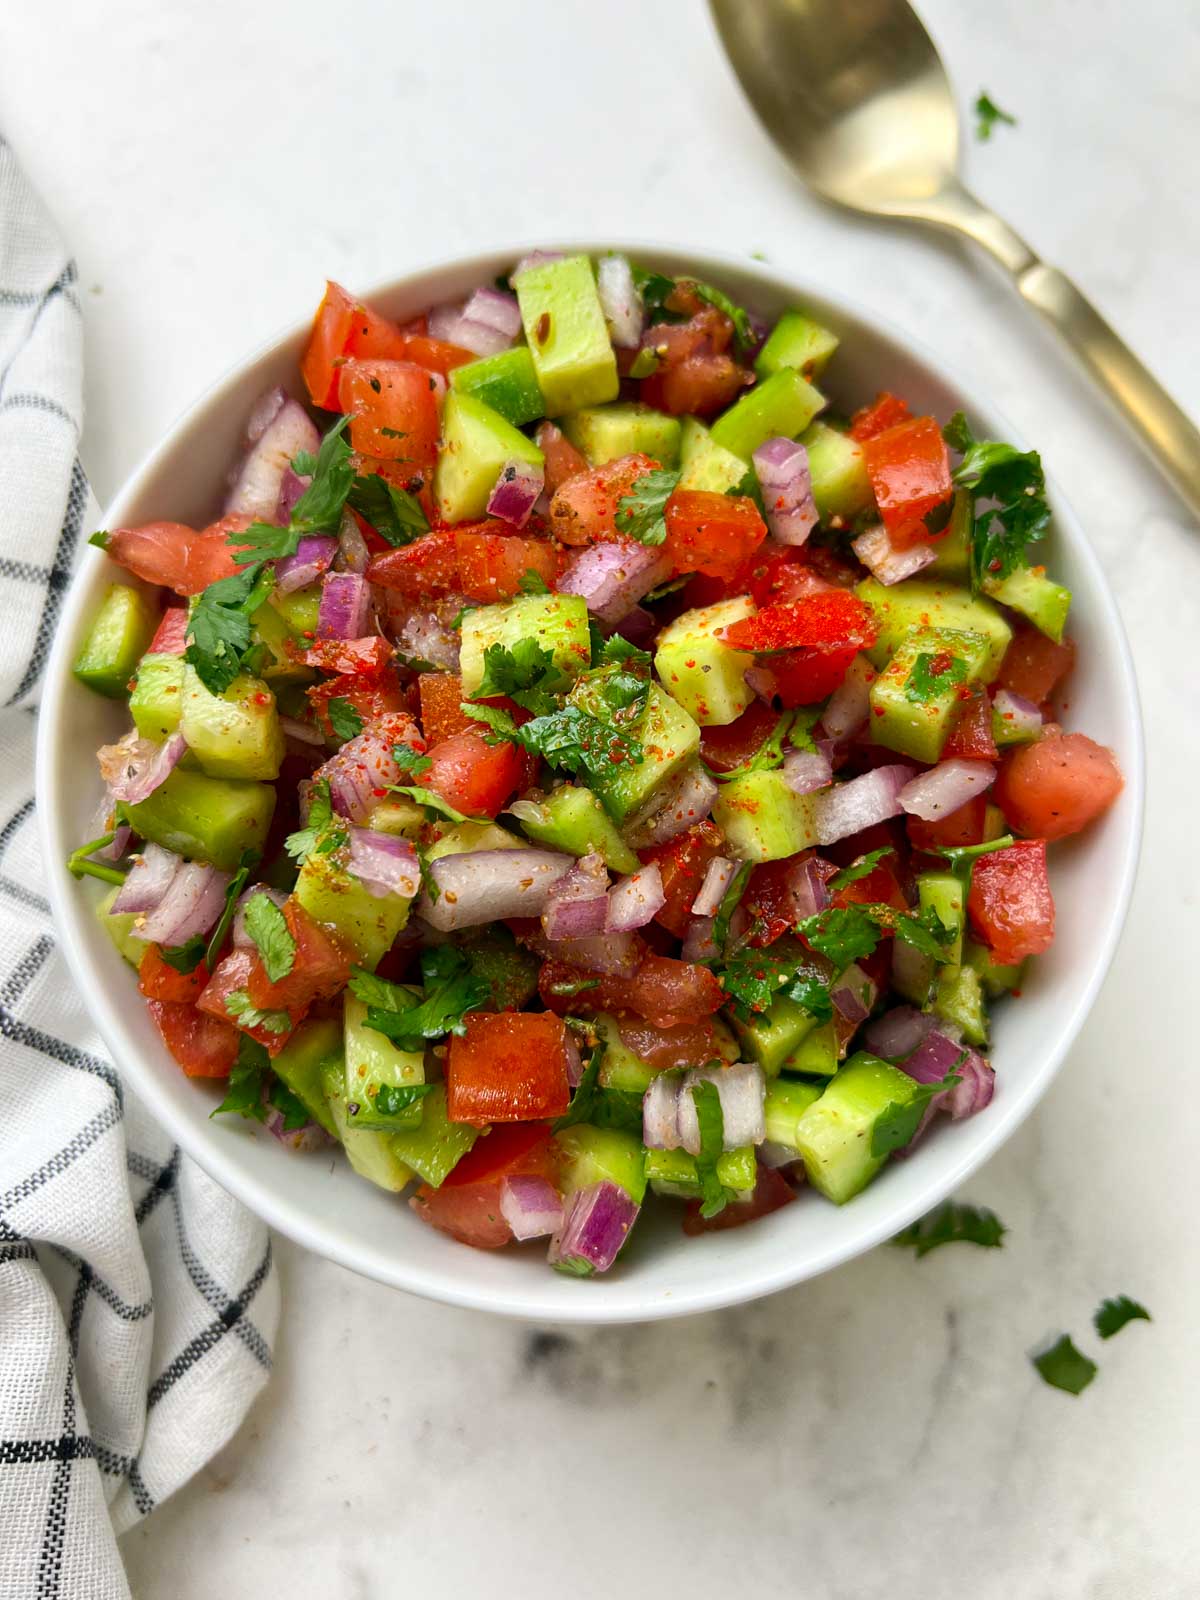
(427, 566)
(1058, 785)
(682, 864)
(964, 826)
(436, 355)
(805, 676)
(771, 1192)
(508, 1067)
(374, 338)
(884, 412)
(971, 737)
(471, 1214)
(888, 835)
(473, 776)
(1010, 904)
(830, 621)
(696, 373)
(785, 576)
(512, 1149)
(725, 749)
(368, 655)
(711, 533)
(327, 346)
(491, 563)
(371, 696)
(909, 469)
(880, 887)
(170, 637)
(203, 1046)
(319, 970)
(1033, 665)
(441, 697)
(158, 979)
(393, 408)
(232, 974)
(688, 1044)
(664, 991)
(176, 556)
(770, 900)
(563, 461)
(584, 506)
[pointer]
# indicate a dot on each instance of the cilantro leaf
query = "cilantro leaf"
(1064, 1367)
(616, 651)
(730, 901)
(569, 738)
(933, 672)
(570, 987)
(218, 629)
(961, 858)
(531, 582)
(525, 673)
(243, 1092)
(184, 957)
(1112, 1315)
(862, 868)
(743, 328)
(393, 1098)
(711, 1120)
(655, 288)
(266, 925)
(432, 801)
(587, 1094)
(264, 541)
(410, 760)
(236, 884)
(926, 933)
(451, 990)
(1014, 480)
(395, 514)
(379, 992)
(953, 1222)
(641, 514)
(247, 1015)
(295, 1112)
(896, 1124)
(300, 845)
(319, 509)
(304, 463)
(344, 719)
(987, 115)
(843, 934)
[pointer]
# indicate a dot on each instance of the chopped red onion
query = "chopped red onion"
(850, 703)
(935, 1056)
(596, 1223)
(807, 883)
(620, 301)
(148, 880)
(345, 610)
(384, 864)
(613, 576)
(291, 489)
(313, 557)
(782, 468)
(451, 324)
(887, 564)
(362, 770)
(847, 808)
(493, 308)
(1021, 715)
(302, 732)
(741, 1088)
(425, 637)
(974, 1092)
(940, 1053)
(684, 803)
(516, 492)
(531, 1206)
(912, 971)
(240, 937)
(806, 771)
(897, 1032)
(660, 1112)
(854, 994)
(762, 681)
(577, 905)
(635, 900)
(353, 554)
(638, 626)
(482, 886)
(535, 258)
(311, 1136)
(286, 430)
(719, 876)
(944, 788)
(191, 906)
(119, 844)
(698, 942)
(134, 767)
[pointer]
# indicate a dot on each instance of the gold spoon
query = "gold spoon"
(855, 95)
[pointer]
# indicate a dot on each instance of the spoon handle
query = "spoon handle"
(1167, 433)
(1161, 426)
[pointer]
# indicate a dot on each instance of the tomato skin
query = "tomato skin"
(885, 411)
(368, 655)
(696, 373)
(170, 637)
(784, 576)
(473, 776)
(831, 621)
(427, 566)
(563, 460)
(436, 355)
(1010, 904)
(1033, 665)
(345, 328)
(176, 556)
(711, 533)
(682, 864)
(389, 398)
(909, 469)
(769, 900)
(326, 345)
(687, 1044)
(724, 749)
(971, 737)
(805, 676)
(319, 970)
(512, 1149)
(584, 507)
(1057, 786)
(508, 1067)
(771, 1192)
(492, 561)
(158, 979)
(964, 826)
(204, 1046)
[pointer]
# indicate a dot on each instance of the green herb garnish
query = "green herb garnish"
(1064, 1367)
(953, 1222)
(641, 514)
(1014, 480)
(344, 719)
(267, 926)
(1112, 1315)
(987, 115)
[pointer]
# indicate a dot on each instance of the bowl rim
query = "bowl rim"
(216, 1158)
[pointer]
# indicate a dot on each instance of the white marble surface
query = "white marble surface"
(878, 1433)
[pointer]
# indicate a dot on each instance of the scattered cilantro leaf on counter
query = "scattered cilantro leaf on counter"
(641, 514)
(711, 1120)
(394, 513)
(243, 1092)
(1064, 1367)
(1014, 480)
(525, 672)
(987, 115)
(1112, 1315)
(266, 925)
(953, 1222)
(344, 719)
(898, 1122)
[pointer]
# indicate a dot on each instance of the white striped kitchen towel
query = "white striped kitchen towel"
(138, 1302)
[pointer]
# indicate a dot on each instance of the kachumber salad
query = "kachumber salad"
(576, 763)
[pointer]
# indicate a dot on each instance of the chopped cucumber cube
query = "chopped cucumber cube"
(702, 674)
(119, 634)
(559, 623)
(507, 382)
(567, 334)
(217, 820)
(785, 403)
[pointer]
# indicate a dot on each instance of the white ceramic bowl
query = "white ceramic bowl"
(323, 1205)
